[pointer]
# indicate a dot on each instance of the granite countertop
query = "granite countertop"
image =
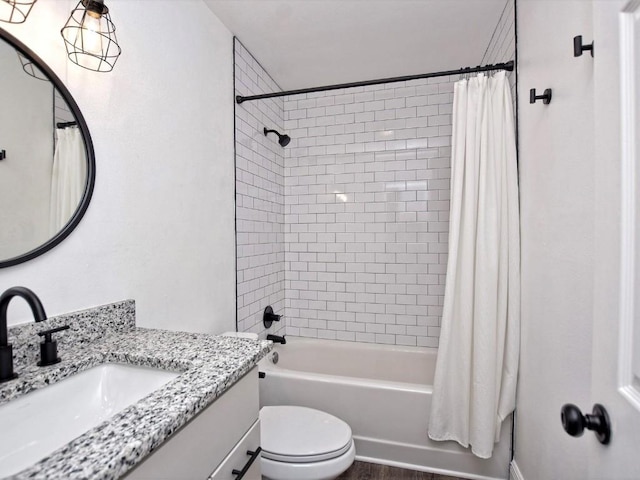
(209, 365)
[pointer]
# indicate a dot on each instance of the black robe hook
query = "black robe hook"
(545, 97)
(578, 47)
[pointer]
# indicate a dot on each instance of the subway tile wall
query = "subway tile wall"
(367, 211)
(367, 205)
(259, 197)
(61, 111)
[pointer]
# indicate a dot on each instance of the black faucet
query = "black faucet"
(6, 350)
(277, 339)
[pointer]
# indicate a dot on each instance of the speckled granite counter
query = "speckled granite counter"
(209, 365)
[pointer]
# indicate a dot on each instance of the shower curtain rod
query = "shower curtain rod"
(66, 124)
(498, 66)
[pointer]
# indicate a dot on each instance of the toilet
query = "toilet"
(300, 443)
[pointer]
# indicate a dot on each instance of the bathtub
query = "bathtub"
(384, 394)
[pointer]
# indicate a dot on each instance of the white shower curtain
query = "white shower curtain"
(475, 381)
(68, 177)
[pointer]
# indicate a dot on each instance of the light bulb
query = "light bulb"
(91, 38)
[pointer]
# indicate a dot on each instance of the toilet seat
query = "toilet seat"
(295, 434)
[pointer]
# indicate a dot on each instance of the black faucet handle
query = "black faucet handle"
(49, 347)
(47, 333)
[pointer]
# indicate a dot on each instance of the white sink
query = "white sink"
(44, 420)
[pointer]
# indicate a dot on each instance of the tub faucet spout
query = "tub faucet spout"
(277, 339)
(6, 350)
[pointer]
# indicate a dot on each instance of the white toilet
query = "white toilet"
(300, 443)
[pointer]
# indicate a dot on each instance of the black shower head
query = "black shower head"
(283, 140)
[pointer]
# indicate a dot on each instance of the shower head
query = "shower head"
(283, 140)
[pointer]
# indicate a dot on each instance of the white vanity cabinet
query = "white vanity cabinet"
(241, 458)
(214, 444)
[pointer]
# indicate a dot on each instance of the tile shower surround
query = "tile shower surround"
(365, 205)
(259, 198)
(367, 211)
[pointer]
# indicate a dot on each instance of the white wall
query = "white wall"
(160, 226)
(557, 214)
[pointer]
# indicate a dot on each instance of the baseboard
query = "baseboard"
(515, 472)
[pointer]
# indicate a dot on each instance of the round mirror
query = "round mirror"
(47, 165)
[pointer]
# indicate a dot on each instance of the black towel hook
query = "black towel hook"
(545, 97)
(578, 46)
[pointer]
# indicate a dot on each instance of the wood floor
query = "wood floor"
(372, 471)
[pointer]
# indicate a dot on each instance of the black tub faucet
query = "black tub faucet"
(6, 350)
(277, 339)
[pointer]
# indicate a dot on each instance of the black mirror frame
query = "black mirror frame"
(88, 145)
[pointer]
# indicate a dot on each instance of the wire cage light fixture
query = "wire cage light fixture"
(90, 36)
(30, 68)
(15, 11)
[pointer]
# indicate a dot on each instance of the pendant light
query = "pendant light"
(30, 68)
(15, 11)
(90, 36)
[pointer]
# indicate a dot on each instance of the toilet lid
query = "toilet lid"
(299, 434)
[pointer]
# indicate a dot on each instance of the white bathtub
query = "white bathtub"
(384, 394)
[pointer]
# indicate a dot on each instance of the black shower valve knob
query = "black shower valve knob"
(269, 317)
